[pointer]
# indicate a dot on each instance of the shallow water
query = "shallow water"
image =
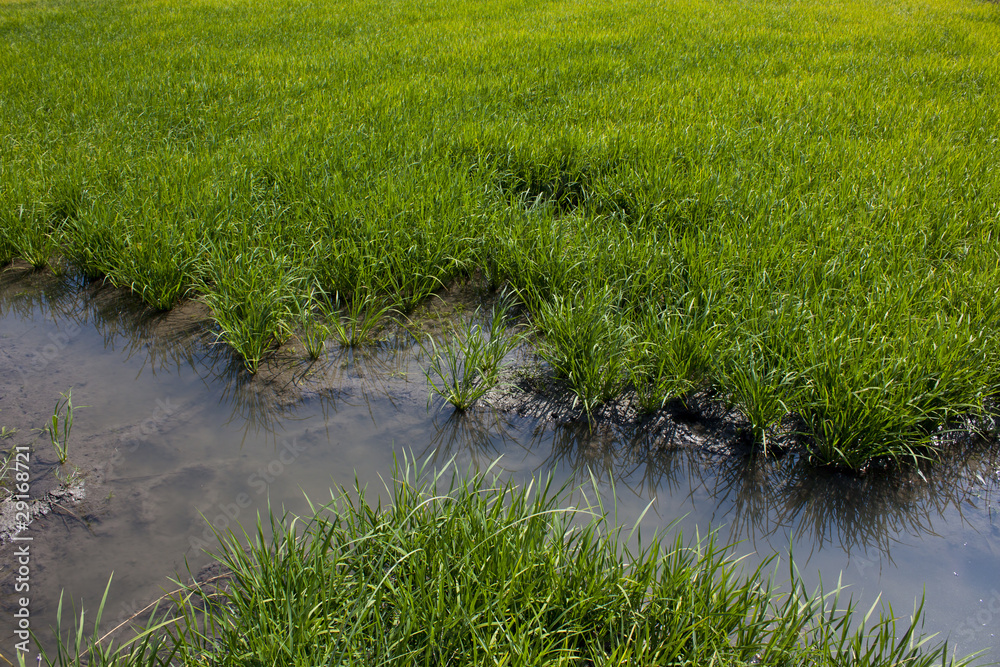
(175, 441)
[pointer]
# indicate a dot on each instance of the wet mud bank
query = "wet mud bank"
(704, 422)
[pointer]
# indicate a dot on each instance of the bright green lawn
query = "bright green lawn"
(794, 202)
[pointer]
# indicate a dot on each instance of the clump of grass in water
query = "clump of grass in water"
(355, 319)
(254, 295)
(464, 367)
(583, 344)
(93, 242)
(352, 323)
(863, 399)
(474, 570)
(313, 334)
(312, 331)
(61, 423)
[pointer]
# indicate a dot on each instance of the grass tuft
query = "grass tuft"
(583, 343)
(254, 298)
(61, 424)
(464, 367)
(355, 320)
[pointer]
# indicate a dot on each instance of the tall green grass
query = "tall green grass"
(472, 570)
(583, 343)
(812, 181)
(254, 298)
(466, 365)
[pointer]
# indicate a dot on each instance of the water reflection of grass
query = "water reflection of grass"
(871, 512)
(479, 436)
(476, 571)
(758, 497)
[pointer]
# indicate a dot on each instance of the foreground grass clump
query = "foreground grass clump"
(476, 571)
(793, 205)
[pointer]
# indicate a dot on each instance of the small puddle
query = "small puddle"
(176, 441)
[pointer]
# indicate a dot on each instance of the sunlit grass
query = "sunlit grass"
(584, 343)
(473, 570)
(814, 181)
(466, 362)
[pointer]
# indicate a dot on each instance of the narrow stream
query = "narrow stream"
(175, 440)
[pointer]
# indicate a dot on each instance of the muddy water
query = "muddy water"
(175, 440)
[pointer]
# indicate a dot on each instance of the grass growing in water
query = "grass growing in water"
(820, 174)
(465, 366)
(61, 424)
(254, 298)
(313, 331)
(583, 344)
(313, 334)
(476, 571)
(356, 320)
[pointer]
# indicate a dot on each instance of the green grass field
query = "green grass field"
(796, 203)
